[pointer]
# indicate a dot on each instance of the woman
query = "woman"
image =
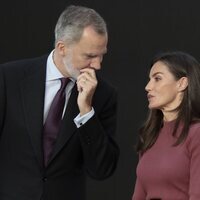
(169, 144)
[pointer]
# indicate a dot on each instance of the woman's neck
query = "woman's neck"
(169, 115)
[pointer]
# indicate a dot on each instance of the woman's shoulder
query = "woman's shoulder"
(193, 139)
(194, 130)
(195, 125)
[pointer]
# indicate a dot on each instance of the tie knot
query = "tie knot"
(64, 82)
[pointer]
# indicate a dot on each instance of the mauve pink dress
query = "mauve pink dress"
(170, 172)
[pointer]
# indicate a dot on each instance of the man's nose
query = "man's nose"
(96, 63)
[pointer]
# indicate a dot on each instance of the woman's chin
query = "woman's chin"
(151, 106)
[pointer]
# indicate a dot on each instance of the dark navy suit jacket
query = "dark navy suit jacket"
(89, 149)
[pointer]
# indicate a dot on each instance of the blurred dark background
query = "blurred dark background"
(138, 29)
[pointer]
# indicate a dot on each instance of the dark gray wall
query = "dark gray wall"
(138, 29)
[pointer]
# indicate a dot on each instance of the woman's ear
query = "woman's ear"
(182, 83)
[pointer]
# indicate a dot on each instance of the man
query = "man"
(48, 159)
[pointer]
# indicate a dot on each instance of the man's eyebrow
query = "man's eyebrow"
(94, 55)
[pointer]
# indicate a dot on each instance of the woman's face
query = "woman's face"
(163, 90)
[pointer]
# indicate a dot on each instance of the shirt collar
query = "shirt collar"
(52, 71)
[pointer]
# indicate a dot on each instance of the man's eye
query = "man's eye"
(90, 56)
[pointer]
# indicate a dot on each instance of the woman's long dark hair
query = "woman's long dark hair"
(180, 64)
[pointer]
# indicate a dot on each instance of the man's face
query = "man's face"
(87, 53)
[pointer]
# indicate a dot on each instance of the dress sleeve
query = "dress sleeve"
(194, 150)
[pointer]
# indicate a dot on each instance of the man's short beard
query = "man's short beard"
(67, 61)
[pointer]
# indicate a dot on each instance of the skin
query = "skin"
(164, 92)
(80, 61)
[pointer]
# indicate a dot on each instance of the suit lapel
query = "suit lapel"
(68, 126)
(32, 90)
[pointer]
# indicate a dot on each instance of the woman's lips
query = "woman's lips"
(149, 96)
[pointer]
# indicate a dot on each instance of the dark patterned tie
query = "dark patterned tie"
(53, 120)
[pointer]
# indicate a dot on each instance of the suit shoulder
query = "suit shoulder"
(105, 90)
(17, 64)
(105, 85)
(18, 70)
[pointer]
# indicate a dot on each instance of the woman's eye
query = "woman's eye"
(157, 78)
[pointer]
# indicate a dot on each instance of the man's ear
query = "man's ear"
(61, 48)
(182, 83)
